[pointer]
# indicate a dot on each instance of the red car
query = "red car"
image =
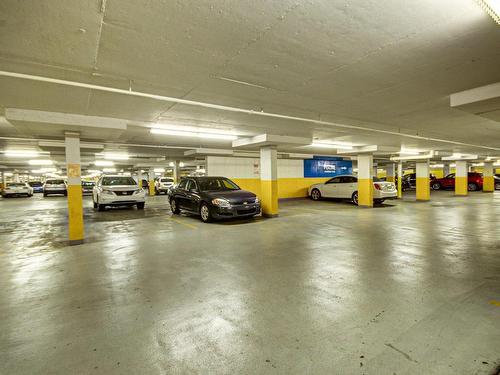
(474, 182)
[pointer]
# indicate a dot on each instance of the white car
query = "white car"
(346, 186)
(117, 190)
(55, 186)
(162, 185)
(17, 189)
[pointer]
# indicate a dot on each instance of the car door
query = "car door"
(330, 188)
(449, 181)
(181, 195)
(193, 195)
(350, 185)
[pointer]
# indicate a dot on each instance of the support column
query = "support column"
(488, 179)
(400, 180)
(269, 181)
(16, 177)
(177, 171)
(151, 181)
(423, 183)
(375, 171)
(390, 173)
(446, 169)
(461, 173)
(365, 180)
(75, 202)
(139, 178)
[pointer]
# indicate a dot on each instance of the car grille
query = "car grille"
(244, 211)
(244, 201)
(130, 192)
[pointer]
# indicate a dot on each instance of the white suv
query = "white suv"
(55, 186)
(162, 185)
(113, 190)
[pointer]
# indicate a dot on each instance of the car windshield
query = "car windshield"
(55, 182)
(167, 180)
(119, 180)
(87, 183)
(376, 179)
(217, 184)
(15, 184)
(35, 183)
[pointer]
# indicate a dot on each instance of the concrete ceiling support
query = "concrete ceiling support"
(76, 230)
(151, 181)
(269, 180)
(423, 192)
(461, 179)
(446, 169)
(488, 179)
(177, 171)
(365, 180)
(400, 180)
(390, 172)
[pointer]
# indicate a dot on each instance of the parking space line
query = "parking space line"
(182, 223)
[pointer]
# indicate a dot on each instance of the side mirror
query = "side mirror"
(193, 191)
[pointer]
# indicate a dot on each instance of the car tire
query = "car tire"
(315, 195)
(354, 198)
(205, 214)
(65, 193)
(94, 202)
(100, 207)
(174, 207)
(436, 186)
(44, 194)
(140, 206)
(472, 187)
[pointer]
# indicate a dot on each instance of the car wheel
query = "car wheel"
(140, 206)
(354, 198)
(436, 186)
(315, 195)
(65, 193)
(205, 215)
(94, 202)
(174, 207)
(44, 194)
(472, 186)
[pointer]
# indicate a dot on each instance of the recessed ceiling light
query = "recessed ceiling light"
(114, 156)
(159, 170)
(41, 162)
(181, 133)
(21, 154)
(492, 7)
(104, 163)
(109, 170)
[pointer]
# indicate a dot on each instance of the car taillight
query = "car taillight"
(377, 186)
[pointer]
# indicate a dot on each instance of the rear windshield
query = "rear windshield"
(54, 182)
(167, 180)
(114, 181)
(15, 184)
(217, 184)
(35, 183)
(376, 179)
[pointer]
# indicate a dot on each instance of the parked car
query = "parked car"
(145, 184)
(16, 189)
(497, 181)
(474, 182)
(346, 187)
(37, 186)
(162, 184)
(88, 187)
(213, 198)
(117, 190)
(55, 186)
(410, 181)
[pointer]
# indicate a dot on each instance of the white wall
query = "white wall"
(234, 167)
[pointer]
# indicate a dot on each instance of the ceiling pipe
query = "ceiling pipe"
(170, 99)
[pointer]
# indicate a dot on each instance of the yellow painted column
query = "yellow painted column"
(400, 180)
(461, 173)
(76, 232)
(139, 179)
(390, 175)
(365, 180)
(423, 184)
(269, 181)
(151, 181)
(488, 179)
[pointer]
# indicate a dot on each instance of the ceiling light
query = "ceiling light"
(458, 156)
(41, 162)
(410, 151)
(171, 164)
(478, 164)
(338, 146)
(159, 170)
(94, 171)
(413, 157)
(43, 170)
(492, 7)
(114, 156)
(103, 163)
(109, 170)
(437, 166)
(21, 154)
(180, 133)
(181, 164)
(8, 174)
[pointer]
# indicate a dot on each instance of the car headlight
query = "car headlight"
(138, 191)
(108, 192)
(221, 202)
(257, 200)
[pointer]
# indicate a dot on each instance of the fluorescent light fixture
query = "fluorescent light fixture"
(109, 170)
(453, 165)
(43, 170)
(459, 156)
(492, 7)
(94, 171)
(21, 154)
(227, 137)
(171, 164)
(478, 164)
(338, 146)
(437, 166)
(414, 157)
(8, 174)
(159, 170)
(103, 163)
(410, 151)
(181, 164)
(114, 156)
(41, 162)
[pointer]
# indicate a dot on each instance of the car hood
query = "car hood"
(121, 187)
(233, 196)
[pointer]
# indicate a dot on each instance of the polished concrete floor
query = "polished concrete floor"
(326, 288)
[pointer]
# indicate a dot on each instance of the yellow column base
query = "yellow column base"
(269, 197)
(75, 214)
(423, 189)
(365, 192)
(461, 185)
(488, 184)
(151, 188)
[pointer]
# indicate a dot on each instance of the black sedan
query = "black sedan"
(213, 198)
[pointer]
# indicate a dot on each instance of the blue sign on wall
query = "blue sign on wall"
(326, 167)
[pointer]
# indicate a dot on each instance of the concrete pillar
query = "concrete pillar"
(177, 171)
(390, 172)
(423, 184)
(375, 171)
(16, 177)
(461, 173)
(151, 181)
(365, 180)
(269, 181)
(488, 179)
(75, 202)
(446, 169)
(400, 180)
(139, 178)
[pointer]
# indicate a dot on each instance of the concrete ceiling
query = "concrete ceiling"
(370, 65)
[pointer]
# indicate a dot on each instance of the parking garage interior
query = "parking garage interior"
(354, 229)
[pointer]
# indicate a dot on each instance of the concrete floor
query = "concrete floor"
(326, 288)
